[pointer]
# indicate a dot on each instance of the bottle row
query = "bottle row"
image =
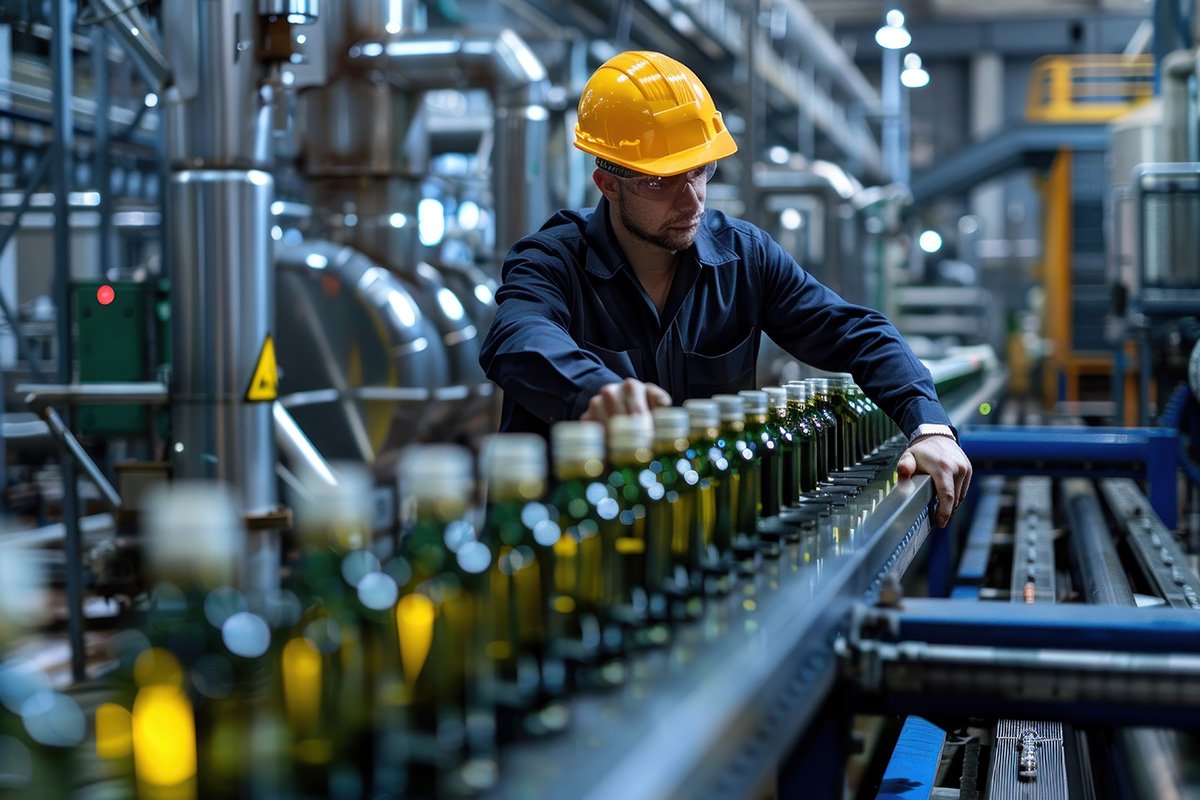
(405, 676)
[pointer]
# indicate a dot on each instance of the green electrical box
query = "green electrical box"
(120, 337)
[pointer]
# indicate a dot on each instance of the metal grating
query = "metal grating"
(1028, 762)
(1033, 543)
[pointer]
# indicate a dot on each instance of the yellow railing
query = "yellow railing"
(1094, 88)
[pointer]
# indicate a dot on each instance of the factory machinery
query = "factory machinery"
(277, 310)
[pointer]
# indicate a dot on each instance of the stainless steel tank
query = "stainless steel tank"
(360, 360)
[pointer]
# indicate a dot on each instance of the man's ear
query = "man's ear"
(606, 182)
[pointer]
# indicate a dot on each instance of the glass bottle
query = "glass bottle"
(583, 630)
(529, 677)
(41, 728)
(343, 651)
(682, 556)
(818, 391)
(200, 677)
(712, 526)
(838, 390)
(780, 426)
(806, 458)
(766, 438)
(817, 428)
(442, 620)
(641, 604)
(741, 451)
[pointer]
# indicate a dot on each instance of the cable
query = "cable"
(84, 20)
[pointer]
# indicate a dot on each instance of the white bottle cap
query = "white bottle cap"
(797, 391)
(703, 413)
(630, 432)
(437, 472)
(776, 396)
(193, 532)
(341, 510)
(755, 401)
(733, 407)
(513, 457)
(577, 441)
(671, 423)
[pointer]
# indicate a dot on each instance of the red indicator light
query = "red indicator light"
(105, 294)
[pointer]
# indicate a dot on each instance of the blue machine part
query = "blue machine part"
(911, 771)
(972, 566)
(1145, 453)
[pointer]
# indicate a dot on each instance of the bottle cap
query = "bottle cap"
(630, 432)
(703, 413)
(577, 441)
(193, 532)
(437, 472)
(797, 391)
(776, 396)
(671, 423)
(755, 401)
(733, 407)
(513, 457)
(341, 510)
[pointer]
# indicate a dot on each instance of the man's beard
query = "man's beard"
(670, 240)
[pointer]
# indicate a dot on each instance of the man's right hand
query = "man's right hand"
(629, 396)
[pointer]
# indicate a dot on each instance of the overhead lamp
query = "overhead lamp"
(893, 35)
(914, 75)
(930, 241)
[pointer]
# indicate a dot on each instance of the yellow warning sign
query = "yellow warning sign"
(264, 384)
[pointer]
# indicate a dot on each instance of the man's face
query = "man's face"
(663, 212)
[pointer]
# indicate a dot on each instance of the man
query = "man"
(651, 298)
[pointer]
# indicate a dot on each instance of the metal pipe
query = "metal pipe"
(95, 526)
(62, 433)
(306, 462)
(502, 63)
(1150, 760)
(101, 155)
(126, 23)
(62, 70)
(218, 105)
(1092, 550)
(40, 395)
(1177, 69)
(223, 312)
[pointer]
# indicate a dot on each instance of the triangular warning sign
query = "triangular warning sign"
(264, 383)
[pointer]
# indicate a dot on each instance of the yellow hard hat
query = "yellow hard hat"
(649, 113)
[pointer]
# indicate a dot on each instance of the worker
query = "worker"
(651, 299)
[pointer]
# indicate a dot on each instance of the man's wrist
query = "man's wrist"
(932, 429)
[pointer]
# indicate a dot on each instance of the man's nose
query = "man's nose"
(689, 197)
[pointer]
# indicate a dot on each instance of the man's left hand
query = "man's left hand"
(943, 460)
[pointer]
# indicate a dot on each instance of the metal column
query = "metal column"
(62, 64)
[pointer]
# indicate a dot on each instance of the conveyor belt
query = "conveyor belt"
(712, 714)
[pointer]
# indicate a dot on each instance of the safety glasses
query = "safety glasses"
(653, 187)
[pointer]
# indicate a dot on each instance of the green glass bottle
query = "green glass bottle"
(765, 436)
(442, 619)
(812, 454)
(781, 429)
(208, 649)
(641, 604)
(712, 525)
(818, 391)
(838, 391)
(343, 647)
(682, 550)
(741, 450)
(529, 676)
(41, 728)
(583, 629)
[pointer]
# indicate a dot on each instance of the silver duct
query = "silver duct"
(128, 26)
(1177, 69)
(360, 125)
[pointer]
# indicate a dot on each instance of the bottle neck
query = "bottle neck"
(578, 469)
(631, 457)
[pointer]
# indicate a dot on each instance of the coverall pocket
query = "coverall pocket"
(626, 363)
(722, 374)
